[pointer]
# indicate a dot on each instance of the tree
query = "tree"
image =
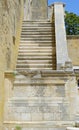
(72, 23)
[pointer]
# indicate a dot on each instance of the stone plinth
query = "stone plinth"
(43, 102)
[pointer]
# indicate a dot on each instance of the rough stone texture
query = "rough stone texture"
(42, 103)
(39, 101)
(73, 49)
(9, 17)
(35, 10)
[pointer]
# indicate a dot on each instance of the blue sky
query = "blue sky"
(71, 5)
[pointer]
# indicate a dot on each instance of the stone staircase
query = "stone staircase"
(38, 99)
(37, 46)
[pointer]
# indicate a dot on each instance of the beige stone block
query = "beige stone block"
(26, 116)
(37, 116)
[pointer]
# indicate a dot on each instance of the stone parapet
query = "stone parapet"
(60, 36)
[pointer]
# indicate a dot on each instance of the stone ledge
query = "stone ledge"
(53, 124)
(57, 73)
(44, 73)
(72, 128)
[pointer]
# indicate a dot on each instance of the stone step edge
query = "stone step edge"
(34, 58)
(39, 21)
(36, 38)
(39, 51)
(37, 35)
(35, 68)
(37, 27)
(35, 30)
(38, 47)
(36, 54)
(35, 62)
(17, 84)
(37, 41)
(44, 123)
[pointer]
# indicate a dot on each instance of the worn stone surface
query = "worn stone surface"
(35, 9)
(43, 100)
(61, 43)
(40, 100)
(73, 49)
(9, 17)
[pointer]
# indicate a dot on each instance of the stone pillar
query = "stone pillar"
(63, 60)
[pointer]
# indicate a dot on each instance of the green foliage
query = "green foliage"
(72, 23)
(17, 128)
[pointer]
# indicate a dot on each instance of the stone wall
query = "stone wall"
(10, 19)
(40, 103)
(73, 49)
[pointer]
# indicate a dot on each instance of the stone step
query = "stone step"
(33, 47)
(40, 42)
(37, 35)
(37, 21)
(33, 61)
(50, 31)
(37, 38)
(42, 50)
(38, 29)
(44, 68)
(37, 25)
(38, 32)
(36, 45)
(35, 58)
(32, 32)
(37, 51)
(35, 54)
(39, 65)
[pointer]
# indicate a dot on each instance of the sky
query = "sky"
(71, 5)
